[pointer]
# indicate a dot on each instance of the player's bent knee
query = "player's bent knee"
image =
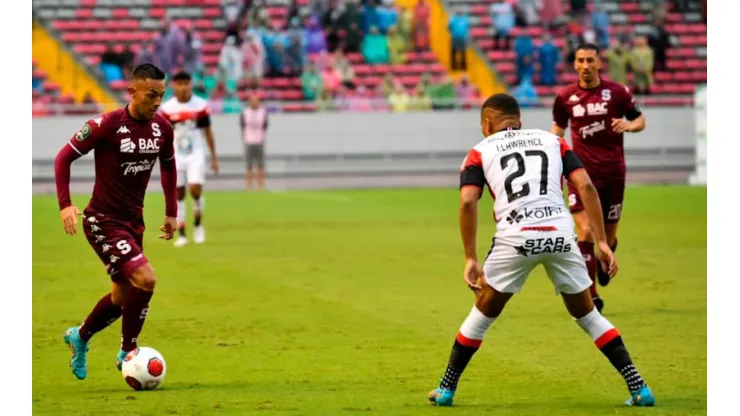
(490, 301)
(144, 277)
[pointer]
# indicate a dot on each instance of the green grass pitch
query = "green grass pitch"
(347, 302)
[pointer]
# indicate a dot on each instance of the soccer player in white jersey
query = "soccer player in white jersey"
(191, 119)
(523, 170)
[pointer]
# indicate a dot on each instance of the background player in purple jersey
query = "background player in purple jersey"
(599, 112)
(127, 144)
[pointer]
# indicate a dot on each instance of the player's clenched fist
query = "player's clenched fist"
(168, 228)
(69, 219)
(473, 274)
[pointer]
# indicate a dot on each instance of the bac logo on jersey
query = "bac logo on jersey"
(148, 146)
(127, 145)
(543, 245)
(596, 109)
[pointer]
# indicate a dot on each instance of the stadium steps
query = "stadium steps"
(64, 71)
(687, 61)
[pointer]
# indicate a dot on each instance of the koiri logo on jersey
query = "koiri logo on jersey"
(536, 213)
(543, 245)
(596, 109)
(134, 168)
(592, 129)
(127, 145)
(148, 145)
(123, 130)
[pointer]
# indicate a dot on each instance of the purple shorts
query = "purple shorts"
(611, 195)
(119, 243)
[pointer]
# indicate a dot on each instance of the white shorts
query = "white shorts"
(191, 170)
(512, 259)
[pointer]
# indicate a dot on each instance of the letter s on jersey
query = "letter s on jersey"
(155, 130)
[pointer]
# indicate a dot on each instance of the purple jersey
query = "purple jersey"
(126, 150)
(590, 113)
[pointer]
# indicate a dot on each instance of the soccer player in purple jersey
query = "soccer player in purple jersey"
(127, 143)
(599, 112)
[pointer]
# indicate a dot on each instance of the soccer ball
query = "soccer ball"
(144, 368)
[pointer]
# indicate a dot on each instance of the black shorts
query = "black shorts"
(255, 155)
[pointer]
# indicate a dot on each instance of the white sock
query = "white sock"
(598, 327)
(181, 212)
(199, 204)
(474, 328)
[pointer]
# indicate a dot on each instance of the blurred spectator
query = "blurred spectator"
(370, 16)
(549, 58)
(258, 14)
(502, 16)
(253, 55)
(109, 56)
(231, 102)
(660, 9)
(230, 60)
(192, 52)
(331, 79)
(682, 5)
(128, 58)
(617, 59)
(295, 56)
(642, 66)
(231, 10)
(659, 40)
(589, 33)
(330, 23)
(110, 65)
(345, 70)
(420, 101)
(199, 85)
(399, 100)
(524, 49)
(405, 25)
(442, 92)
(314, 35)
(351, 13)
(311, 83)
(146, 55)
(353, 38)
(459, 27)
(359, 100)
(527, 9)
(387, 16)
(375, 47)
(169, 46)
(466, 93)
(397, 46)
(550, 14)
(274, 42)
(326, 102)
(420, 35)
(526, 93)
(387, 85)
(600, 23)
(573, 38)
(577, 7)
(294, 12)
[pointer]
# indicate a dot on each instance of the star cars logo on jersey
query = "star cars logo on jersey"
(596, 109)
(127, 145)
(543, 245)
(136, 167)
(537, 213)
(579, 111)
(592, 128)
(123, 130)
(148, 146)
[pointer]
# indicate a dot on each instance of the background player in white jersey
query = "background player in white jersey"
(523, 170)
(191, 119)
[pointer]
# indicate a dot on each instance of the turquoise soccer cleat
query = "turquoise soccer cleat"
(79, 349)
(441, 396)
(120, 357)
(642, 398)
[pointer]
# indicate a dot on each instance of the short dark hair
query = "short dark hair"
(587, 46)
(182, 76)
(148, 71)
(503, 103)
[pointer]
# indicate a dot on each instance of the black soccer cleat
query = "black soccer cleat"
(598, 303)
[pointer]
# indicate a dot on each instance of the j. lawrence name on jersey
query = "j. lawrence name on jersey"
(519, 144)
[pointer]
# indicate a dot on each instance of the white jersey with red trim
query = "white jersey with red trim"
(524, 172)
(188, 120)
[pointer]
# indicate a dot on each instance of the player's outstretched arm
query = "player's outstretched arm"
(469, 196)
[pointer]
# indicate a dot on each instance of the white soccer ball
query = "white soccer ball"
(144, 368)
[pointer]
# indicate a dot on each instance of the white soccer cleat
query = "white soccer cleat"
(181, 241)
(199, 235)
